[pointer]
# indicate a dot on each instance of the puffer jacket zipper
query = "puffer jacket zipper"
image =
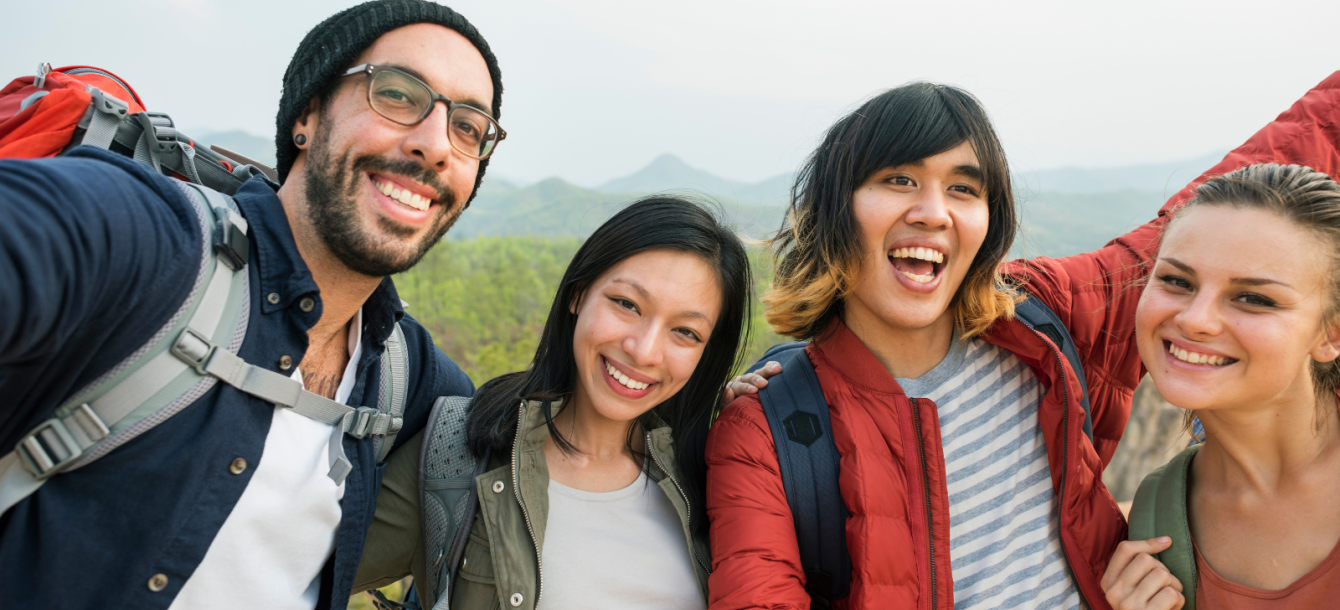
(1065, 458)
(926, 490)
(688, 508)
(516, 489)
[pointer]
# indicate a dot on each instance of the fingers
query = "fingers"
(1128, 551)
(749, 383)
(771, 368)
(1135, 579)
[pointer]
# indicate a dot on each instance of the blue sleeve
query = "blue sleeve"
(94, 250)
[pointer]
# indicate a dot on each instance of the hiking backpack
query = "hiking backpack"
(197, 347)
(1160, 509)
(802, 431)
(447, 503)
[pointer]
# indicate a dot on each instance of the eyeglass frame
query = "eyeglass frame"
(370, 70)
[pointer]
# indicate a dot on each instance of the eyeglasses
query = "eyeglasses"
(402, 98)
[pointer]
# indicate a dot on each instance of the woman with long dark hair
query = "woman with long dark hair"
(593, 488)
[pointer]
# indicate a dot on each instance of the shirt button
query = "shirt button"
(272, 298)
(158, 582)
(307, 304)
(285, 362)
(238, 466)
(516, 599)
(498, 487)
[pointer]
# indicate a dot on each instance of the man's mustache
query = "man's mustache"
(409, 169)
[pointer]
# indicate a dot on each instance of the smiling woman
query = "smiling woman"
(601, 439)
(1239, 325)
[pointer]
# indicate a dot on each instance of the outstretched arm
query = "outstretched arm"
(1096, 292)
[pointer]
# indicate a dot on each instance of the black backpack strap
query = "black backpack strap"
(1038, 316)
(798, 416)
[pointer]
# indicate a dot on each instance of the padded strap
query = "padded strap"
(77, 428)
(1037, 316)
(809, 460)
(394, 385)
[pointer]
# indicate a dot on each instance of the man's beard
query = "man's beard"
(332, 187)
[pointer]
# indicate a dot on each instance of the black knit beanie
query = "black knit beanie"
(332, 45)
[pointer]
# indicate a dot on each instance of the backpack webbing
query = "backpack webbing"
(801, 429)
(1160, 509)
(192, 351)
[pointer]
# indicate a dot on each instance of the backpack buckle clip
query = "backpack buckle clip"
(230, 239)
(194, 349)
(48, 448)
(367, 421)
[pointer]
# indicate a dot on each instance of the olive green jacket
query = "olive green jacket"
(502, 567)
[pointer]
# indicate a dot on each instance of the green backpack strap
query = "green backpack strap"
(1160, 509)
(447, 470)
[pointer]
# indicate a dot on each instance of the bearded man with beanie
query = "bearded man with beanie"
(232, 502)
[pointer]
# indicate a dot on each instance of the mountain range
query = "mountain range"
(1064, 210)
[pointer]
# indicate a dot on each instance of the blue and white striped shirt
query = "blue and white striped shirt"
(1004, 537)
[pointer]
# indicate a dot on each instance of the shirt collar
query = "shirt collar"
(282, 271)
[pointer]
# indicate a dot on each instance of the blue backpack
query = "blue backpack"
(803, 433)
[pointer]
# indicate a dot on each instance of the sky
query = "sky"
(596, 89)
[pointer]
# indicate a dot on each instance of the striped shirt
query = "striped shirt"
(1004, 536)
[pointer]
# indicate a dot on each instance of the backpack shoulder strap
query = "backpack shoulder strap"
(1160, 509)
(1038, 316)
(394, 385)
(803, 433)
(447, 469)
(150, 385)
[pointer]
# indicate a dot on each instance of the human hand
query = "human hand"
(749, 383)
(1136, 581)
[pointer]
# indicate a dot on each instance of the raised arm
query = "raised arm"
(754, 549)
(1096, 292)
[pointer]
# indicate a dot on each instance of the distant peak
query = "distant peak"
(667, 159)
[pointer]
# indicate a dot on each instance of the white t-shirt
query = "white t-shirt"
(619, 550)
(271, 548)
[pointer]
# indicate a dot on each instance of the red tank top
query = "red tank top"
(1319, 588)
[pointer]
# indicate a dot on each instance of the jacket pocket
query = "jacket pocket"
(475, 588)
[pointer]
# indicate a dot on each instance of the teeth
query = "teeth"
(1196, 357)
(413, 200)
(628, 383)
(920, 279)
(925, 254)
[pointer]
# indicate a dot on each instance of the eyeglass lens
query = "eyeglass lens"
(407, 101)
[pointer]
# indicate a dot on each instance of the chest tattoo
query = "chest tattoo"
(323, 385)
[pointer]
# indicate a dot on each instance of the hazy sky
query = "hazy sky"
(595, 89)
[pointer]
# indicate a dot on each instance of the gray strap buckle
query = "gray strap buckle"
(367, 421)
(51, 446)
(194, 349)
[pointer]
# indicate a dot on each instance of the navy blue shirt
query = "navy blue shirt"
(96, 252)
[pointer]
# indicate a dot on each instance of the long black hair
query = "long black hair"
(653, 223)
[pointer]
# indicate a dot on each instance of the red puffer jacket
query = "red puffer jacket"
(892, 470)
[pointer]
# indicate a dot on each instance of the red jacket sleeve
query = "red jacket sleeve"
(1096, 293)
(756, 560)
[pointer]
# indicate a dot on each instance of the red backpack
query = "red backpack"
(56, 110)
